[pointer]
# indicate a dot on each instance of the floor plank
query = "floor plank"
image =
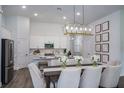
(121, 82)
(21, 79)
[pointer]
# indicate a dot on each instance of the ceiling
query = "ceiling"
(50, 14)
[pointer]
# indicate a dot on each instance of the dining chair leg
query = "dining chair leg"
(53, 82)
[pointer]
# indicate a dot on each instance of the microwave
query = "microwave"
(49, 45)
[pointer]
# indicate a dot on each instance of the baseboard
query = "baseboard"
(19, 67)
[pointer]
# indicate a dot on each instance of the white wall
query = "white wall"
(47, 32)
(114, 31)
(88, 46)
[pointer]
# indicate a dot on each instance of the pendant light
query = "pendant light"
(85, 28)
(75, 28)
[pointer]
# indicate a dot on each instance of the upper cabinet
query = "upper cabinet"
(40, 41)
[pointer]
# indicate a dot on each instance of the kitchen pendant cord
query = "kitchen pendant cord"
(83, 13)
(74, 12)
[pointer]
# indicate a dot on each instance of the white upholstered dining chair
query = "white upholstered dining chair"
(69, 78)
(90, 77)
(36, 76)
(110, 76)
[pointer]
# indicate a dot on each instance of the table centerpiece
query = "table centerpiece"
(63, 59)
(95, 59)
(78, 59)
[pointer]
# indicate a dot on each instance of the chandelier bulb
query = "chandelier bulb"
(85, 29)
(71, 28)
(76, 28)
(81, 29)
(67, 27)
(90, 29)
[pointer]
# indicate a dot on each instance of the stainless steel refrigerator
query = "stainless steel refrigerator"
(7, 60)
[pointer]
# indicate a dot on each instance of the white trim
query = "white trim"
(19, 67)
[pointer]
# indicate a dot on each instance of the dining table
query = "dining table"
(52, 73)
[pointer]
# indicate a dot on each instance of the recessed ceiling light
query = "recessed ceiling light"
(59, 9)
(64, 17)
(77, 13)
(23, 6)
(35, 14)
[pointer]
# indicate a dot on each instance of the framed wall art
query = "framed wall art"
(98, 47)
(98, 38)
(98, 28)
(105, 58)
(105, 47)
(105, 37)
(105, 26)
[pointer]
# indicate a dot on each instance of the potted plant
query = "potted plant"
(95, 59)
(64, 51)
(78, 59)
(69, 53)
(63, 59)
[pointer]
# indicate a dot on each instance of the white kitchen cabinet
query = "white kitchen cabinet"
(19, 26)
(22, 42)
(39, 41)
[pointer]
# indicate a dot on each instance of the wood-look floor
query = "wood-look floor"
(22, 79)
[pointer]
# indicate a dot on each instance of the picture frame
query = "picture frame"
(105, 58)
(98, 47)
(99, 55)
(98, 38)
(105, 37)
(98, 28)
(105, 26)
(105, 47)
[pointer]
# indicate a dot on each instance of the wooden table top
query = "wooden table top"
(52, 70)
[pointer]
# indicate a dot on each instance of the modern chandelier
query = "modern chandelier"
(76, 28)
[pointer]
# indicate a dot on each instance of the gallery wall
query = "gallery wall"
(114, 36)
